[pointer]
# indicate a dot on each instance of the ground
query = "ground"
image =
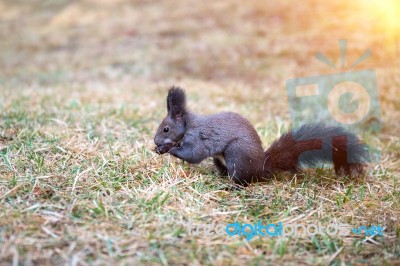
(82, 91)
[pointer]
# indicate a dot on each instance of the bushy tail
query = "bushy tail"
(314, 144)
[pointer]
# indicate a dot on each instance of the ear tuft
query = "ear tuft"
(176, 102)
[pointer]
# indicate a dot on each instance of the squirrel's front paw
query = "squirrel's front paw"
(161, 149)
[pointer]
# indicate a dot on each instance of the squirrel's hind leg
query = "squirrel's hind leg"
(245, 162)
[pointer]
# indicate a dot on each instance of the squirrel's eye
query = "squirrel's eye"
(166, 129)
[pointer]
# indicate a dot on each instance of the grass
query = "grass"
(82, 90)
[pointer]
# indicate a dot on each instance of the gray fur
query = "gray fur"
(196, 137)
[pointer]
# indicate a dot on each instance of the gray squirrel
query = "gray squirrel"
(237, 150)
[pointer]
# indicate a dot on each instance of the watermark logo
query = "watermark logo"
(347, 98)
(250, 230)
(368, 231)
(300, 230)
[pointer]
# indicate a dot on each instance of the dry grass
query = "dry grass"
(82, 90)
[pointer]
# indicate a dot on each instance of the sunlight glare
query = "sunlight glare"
(388, 11)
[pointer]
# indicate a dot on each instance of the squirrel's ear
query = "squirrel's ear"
(176, 103)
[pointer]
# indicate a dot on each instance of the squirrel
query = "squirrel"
(237, 149)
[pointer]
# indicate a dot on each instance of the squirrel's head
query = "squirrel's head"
(173, 127)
